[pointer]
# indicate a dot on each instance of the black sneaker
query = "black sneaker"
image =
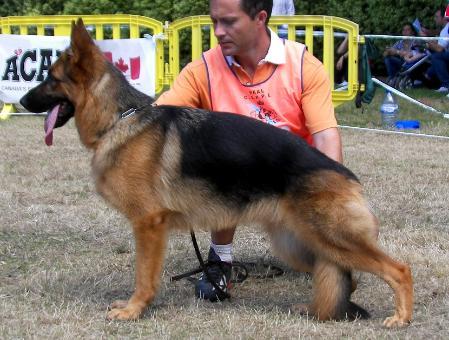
(220, 273)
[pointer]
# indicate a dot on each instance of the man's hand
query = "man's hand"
(433, 46)
(392, 51)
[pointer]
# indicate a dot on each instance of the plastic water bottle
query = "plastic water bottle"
(389, 111)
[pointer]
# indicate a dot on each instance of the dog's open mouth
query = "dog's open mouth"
(57, 117)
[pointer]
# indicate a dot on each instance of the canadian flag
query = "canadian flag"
(133, 65)
(135, 58)
(446, 12)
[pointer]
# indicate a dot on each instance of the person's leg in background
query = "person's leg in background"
(393, 65)
(440, 64)
(341, 73)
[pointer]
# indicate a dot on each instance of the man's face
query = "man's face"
(234, 29)
(439, 18)
(407, 30)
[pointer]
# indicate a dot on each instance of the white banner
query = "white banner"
(26, 59)
(136, 58)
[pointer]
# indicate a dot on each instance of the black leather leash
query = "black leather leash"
(204, 267)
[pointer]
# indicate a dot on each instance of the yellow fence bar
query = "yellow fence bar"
(318, 33)
(309, 37)
(308, 29)
(7, 110)
(311, 29)
(196, 25)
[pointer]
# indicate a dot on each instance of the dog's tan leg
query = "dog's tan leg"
(150, 237)
(399, 277)
(332, 289)
(338, 226)
(349, 249)
(352, 243)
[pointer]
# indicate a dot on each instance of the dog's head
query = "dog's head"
(64, 89)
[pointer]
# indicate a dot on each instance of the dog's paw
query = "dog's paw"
(126, 313)
(396, 321)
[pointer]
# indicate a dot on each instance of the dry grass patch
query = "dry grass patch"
(64, 255)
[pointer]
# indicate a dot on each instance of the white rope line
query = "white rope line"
(402, 37)
(410, 99)
(394, 132)
(26, 114)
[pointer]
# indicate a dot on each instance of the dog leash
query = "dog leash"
(239, 269)
(204, 267)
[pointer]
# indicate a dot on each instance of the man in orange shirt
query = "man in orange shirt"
(255, 73)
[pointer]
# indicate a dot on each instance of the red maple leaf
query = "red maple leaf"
(121, 65)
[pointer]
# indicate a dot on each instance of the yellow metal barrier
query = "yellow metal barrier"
(115, 26)
(318, 33)
(197, 24)
(309, 29)
(7, 110)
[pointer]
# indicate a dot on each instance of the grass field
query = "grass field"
(369, 116)
(64, 255)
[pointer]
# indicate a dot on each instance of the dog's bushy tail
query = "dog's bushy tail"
(332, 292)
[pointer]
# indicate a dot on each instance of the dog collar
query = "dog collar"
(128, 113)
(133, 110)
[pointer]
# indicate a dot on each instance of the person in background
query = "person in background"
(283, 7)
(341, 66)
(253, 72)
(439, 51)
(402, 51)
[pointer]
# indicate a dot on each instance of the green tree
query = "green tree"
(11, 8)
(156, 9)
(373, 16)
(97, 7)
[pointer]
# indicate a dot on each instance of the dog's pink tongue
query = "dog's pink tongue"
(49, 124)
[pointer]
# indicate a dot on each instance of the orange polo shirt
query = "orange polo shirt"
(191, 87)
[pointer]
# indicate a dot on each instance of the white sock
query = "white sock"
(224, 251)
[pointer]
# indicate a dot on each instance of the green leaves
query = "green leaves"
(373, 16)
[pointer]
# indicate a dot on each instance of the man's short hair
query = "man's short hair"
(252, 7)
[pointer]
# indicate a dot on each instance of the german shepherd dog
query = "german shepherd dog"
(167, 167)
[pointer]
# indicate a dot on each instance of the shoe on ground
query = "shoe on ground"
(417, 83)
(442, 89)
(342, 84)
(220, 272)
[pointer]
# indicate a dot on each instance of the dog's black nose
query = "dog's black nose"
(30, 104)
(24, 102)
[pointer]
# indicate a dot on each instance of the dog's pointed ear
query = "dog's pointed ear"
(81, 43)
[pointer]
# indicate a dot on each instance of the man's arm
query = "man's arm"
(316, 102)
(189, 89)
(329, 142)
